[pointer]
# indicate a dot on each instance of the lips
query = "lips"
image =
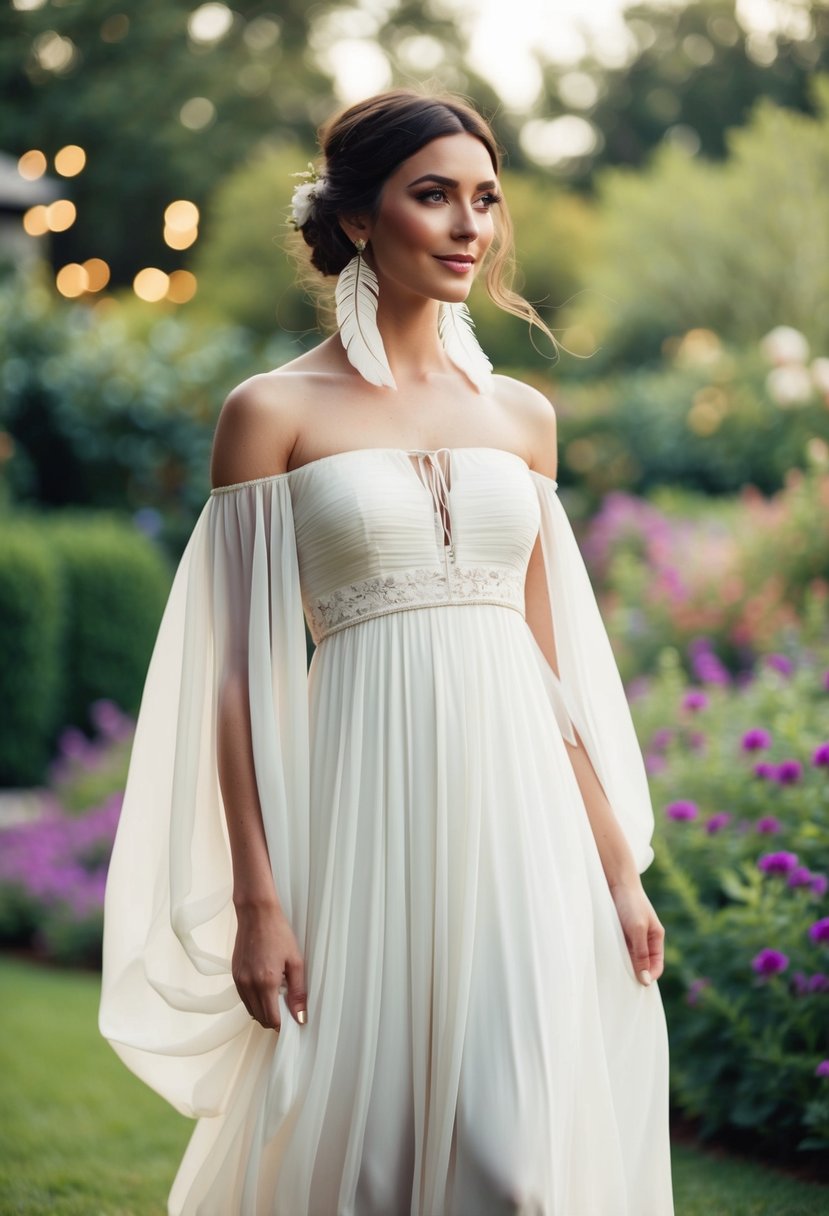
(454, 257)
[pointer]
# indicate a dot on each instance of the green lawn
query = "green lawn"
(80, 1136)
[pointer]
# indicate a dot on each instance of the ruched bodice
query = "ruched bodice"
(384, 529)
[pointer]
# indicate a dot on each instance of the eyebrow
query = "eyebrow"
(447, 181)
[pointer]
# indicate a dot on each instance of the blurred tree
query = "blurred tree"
(738, 246)
(692, 71)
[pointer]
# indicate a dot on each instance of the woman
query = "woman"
(380, 923)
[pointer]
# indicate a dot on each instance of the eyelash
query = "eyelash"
(492, 198)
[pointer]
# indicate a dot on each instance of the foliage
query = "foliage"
(736, 246)
(31, 600)
(740, 881)
(115, 409)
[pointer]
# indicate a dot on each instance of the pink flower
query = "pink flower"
(768, 825)
(770, 962)
(755, 740)
(715, 822)
(682, 810)
(819, 931)
(822, 1069)
(777, 863)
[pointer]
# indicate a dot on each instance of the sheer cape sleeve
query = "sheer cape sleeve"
(588, 693)
(169, 1006)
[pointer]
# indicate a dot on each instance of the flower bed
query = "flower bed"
(741, 791)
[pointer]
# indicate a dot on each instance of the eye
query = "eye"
(489, 200)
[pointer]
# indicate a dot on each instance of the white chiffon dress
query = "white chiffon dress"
(477, 1042)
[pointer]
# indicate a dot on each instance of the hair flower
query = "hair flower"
(304, 195)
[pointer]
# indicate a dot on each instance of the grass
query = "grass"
(81, 1136)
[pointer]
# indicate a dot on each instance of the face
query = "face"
(435, 206)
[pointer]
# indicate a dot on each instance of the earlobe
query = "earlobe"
(354, 227)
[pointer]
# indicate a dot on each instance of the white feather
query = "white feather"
(457, 333)
(356, 297)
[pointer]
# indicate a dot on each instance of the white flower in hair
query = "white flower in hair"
(302, 200)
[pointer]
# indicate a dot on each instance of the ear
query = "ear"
(355, 227)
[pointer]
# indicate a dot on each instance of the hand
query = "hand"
(644, 933)
(266, 957)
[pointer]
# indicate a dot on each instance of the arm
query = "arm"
(244, 448)
(643, 931)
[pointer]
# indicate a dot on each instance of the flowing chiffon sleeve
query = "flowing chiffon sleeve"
(169, 1006)
(588, 688)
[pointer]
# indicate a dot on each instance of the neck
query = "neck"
(408, 325)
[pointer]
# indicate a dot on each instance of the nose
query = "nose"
(464, 223)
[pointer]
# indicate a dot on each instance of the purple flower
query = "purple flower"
(821, 756)
(682, 810)
(765, 770)
(799, 983)
(755, 740)
(826, 680)
(655, 764)
(695, 989)
(819, 884)
(715, 822)
(818, 982)
(661, 738)
(770, 962)
(697, 740)
(800, 876)
(819, 931)
(768, 825)
(695, 700)
(789, 772)
(777, 863)
(781, 663)
(822, 1069)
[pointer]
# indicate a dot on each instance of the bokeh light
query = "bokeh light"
(69, 161)
(97, 273)
(180, 240)
(181, 215)
(151, 284)
(32, 165)
(36, 221)
(182, 286)
(197, 113)
(114, 28)
(209, 23)
(61, 215)
(72, 280)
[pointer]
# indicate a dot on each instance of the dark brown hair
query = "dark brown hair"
(362, 145)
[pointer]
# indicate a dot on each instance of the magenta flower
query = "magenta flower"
(819, 931)
(765, 770)
(768, 825)
(715, 822)
(826, 680)
(799, 982)
(800, 876)
(755, 740)
(822, 1069)
(789, 772)
(777, 863)
(770, 962)
(695, 700)
(655, 764)
(781, 663)
(661, 738)
(819, 884)
(682, 810)
(820, 759)
(818, 982)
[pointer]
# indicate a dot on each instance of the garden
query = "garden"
(685, 266)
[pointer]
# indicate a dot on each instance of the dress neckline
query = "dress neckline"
(310, 464)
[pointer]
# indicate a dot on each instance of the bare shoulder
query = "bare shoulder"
(536, 417)
(257, 427)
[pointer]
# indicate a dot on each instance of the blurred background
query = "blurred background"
(667, 169)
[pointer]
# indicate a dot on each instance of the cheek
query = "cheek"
(412, 228)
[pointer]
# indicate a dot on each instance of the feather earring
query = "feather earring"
(356, 296)
(457, 333)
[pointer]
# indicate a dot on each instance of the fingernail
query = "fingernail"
(302, 1017)
(645, 977)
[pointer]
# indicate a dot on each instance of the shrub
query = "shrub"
(739, 781)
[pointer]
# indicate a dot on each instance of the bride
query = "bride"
(417, 872)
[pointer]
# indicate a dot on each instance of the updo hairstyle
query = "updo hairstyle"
(362, 145)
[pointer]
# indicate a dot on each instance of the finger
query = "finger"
(297, 997)
(657, 951)
(640, 956)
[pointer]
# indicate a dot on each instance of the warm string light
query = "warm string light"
(153, 285)
(181, 224)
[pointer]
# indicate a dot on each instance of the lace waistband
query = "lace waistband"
(422, 587)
